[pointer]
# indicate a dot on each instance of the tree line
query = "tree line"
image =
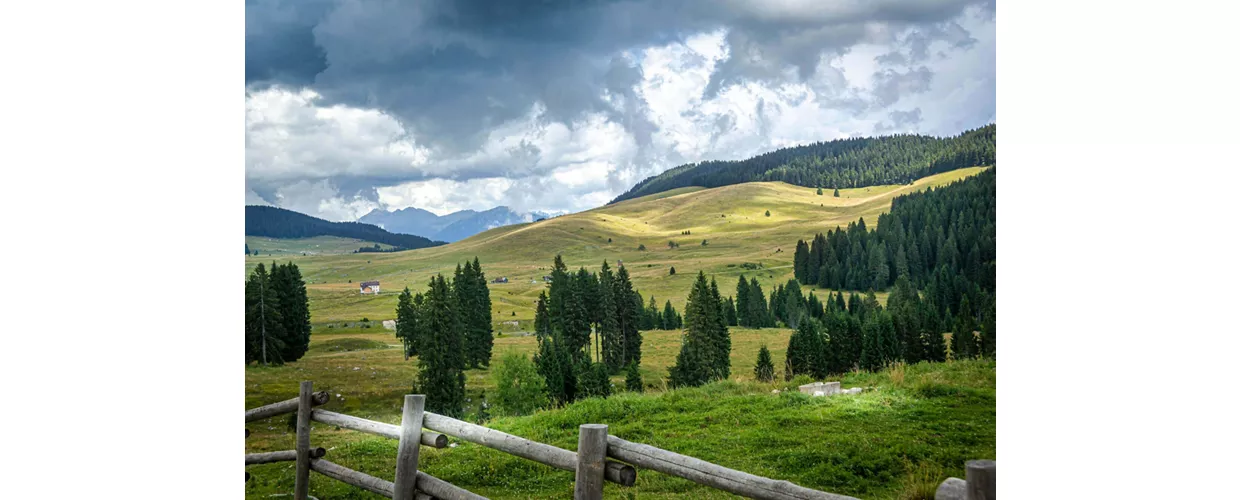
(277, 315)
(842, 163)
(573, 362)
(273, 222)
(941, 240)
(448, 327)
(835, 335)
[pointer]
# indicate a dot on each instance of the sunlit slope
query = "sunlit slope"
(732, 220)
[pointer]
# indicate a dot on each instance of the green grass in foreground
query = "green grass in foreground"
(917, 427)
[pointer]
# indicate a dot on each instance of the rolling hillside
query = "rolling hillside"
(732, 219)
(842, 163)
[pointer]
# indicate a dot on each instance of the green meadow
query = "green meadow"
(913, 427)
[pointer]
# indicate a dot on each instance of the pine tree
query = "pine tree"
(480, 333)
(805, 351)
(441, 357)
(721, 340)
(294, 310)
(542, 318)
(633, 379)
(837, 192)
(264, 329)
(694, 362)
(730, 309)
(593, 381)
(555, 364)
(628, 307)
(759, 317)
(764, 370)
(671, 271)
(742, 302)
(407, 323)
(801, 262)
(608, 326)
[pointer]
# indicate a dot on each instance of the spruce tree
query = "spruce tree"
(294, 310)
(628, 307)
(764, 370)
(608, 325)
(555, 364)
(837, 193)
(264, 330)
(759, 317)
(671, 271)
(721, 340)
(801, 261)
(742, 302)
(819, 191)
(407, 323)
(668, 317)
(592, 380)
(694, 362)
(480, 333)
(633, 379)
(542, 317)
(987, 338)
(804, 351)
(441, 357)
(730, 309)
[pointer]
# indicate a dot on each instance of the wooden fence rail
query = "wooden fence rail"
(590, 462)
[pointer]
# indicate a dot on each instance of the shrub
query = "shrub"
(641, 248)
(519, 389)
(768, 213)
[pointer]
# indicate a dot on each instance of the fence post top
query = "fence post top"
(980, 464)
(594, 426)
(414, 397)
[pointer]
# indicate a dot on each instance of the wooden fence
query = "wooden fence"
(592, 463)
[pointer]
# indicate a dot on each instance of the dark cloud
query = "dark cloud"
(455, 73)
(453, 70)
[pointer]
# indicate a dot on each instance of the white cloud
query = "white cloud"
(338, 162)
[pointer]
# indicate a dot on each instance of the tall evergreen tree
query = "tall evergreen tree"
(542, 317)
(294, 310)
(264, 329)
(764, 370)
(730, 309)
(628, 307)
(805, 354)
(800, 262)
(742, 302)
(694, 362)
(608, 325)
(759, 316)
(721, 338)
(481, 333)
(441, 357)
(407, 323)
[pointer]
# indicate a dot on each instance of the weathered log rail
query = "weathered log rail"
(591, 462)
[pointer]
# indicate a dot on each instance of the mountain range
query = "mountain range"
(273, 222)
(455, 226)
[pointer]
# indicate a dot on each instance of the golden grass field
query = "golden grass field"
(731, 219)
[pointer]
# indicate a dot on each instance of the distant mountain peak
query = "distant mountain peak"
(454, 226)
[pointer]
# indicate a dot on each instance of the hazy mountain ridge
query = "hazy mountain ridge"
(274, 222)
(455, 226)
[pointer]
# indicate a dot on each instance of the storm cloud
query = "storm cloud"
(561, 105)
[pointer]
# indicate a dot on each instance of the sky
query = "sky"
(561, 105)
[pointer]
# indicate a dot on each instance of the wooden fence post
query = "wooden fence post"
(979, 476)
(591, 454)
(407, 452)
(301, 484)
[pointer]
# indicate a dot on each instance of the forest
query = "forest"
(842, 163)
(275, 222)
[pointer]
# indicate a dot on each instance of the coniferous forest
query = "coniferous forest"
(277, 315)
(842, 163)
(935, 250)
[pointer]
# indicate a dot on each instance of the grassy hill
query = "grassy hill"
(731, 219)
(318, 245)
(915, 428)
